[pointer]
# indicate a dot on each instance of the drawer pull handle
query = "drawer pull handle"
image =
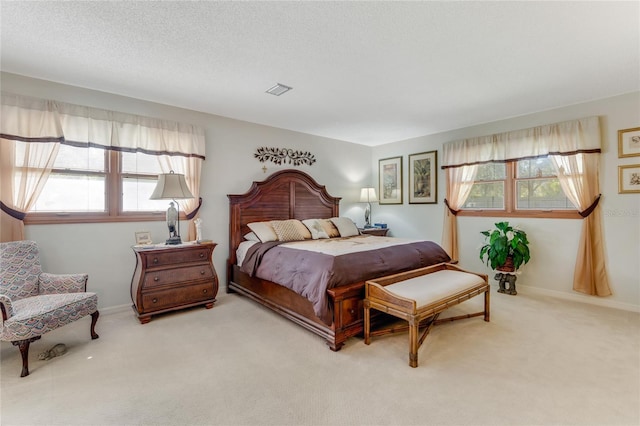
(204, 291)
(155, 300)
(201, 255)
(155, 260)
(201, 272)
(352, 311)
(156, 279)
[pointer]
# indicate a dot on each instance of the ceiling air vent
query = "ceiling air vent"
(279, 89)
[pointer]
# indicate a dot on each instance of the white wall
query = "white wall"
(103, 250)
(553, 241)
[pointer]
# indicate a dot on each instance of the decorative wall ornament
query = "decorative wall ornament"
(284, 155)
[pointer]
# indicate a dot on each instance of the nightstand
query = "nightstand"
(378, 232)
(173, 277)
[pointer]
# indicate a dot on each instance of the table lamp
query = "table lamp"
(368, 195)
(172, 186)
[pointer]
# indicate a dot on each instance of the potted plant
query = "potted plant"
(506, 248)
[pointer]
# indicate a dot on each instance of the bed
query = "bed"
(292, 194)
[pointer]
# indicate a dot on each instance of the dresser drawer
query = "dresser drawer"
(158, 300)
(172, 257)
(177, 275)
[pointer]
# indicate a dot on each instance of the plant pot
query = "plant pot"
(508, 265)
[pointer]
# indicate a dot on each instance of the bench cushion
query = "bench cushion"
(430, 288)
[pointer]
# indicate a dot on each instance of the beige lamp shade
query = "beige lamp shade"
(171, 186)
(368, 195)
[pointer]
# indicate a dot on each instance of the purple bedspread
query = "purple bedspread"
(310, 274)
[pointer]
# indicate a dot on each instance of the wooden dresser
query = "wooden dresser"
(167, 278)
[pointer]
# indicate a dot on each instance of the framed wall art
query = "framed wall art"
(143, 238)
(390, 180)
(629, 142)
(423, 178)
(629, 179)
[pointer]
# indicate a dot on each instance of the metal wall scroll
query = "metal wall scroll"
(284, 155)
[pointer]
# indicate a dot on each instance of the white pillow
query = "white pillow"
(316, 229)
(264, 231)
(345, 226)
(251, 236)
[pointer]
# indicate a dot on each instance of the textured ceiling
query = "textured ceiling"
(364, 72)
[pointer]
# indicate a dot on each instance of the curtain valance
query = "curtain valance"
(39, 120)
(565, 138)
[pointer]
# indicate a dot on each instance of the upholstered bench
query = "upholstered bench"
(419, 296)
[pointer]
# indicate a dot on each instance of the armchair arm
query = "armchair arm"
(6, 307)
(63, 283)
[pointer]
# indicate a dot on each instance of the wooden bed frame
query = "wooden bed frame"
(292, 194)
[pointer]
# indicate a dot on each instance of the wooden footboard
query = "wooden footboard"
(346, 303)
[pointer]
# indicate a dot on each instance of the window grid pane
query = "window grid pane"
(138, 163)
(535, 168)
(72, 193)
(486, 195)
(541, 194)
(491, 172)
(74, 158)
(136, 192)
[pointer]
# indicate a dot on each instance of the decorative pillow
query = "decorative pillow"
(290, 230)
(251, 236)
(264, 231)
(345, 226)
(316, 229)
(329, 228)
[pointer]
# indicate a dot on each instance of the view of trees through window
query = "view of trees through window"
(533, 183)
(93, 180)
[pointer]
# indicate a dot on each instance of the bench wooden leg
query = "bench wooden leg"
(414, 324)
(487, 305)
(367, 323)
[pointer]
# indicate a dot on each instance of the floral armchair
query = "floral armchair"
(34, 303)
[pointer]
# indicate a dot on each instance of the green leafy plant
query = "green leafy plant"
(503, 242)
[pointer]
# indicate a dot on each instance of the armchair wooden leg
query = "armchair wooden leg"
(94, 320)
(23, 345)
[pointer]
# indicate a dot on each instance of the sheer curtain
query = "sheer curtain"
(579, 177)
(459, 183)
(33, 129)
(574, 146)
(29, 144)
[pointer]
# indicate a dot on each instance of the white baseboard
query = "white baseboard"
(576, 297)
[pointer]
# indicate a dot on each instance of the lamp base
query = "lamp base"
(173, 241)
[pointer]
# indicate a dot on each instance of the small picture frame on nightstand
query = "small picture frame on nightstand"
(143, 238)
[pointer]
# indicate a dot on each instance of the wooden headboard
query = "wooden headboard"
(287, 194)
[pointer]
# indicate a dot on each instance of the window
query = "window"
(98, 185)
(527, 188)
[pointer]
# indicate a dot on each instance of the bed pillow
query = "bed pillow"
(251, 236)
(345, 226)
(290, 230)
(316, 229)
(329, 228)
(264, 231)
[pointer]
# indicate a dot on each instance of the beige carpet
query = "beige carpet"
(540, 361)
